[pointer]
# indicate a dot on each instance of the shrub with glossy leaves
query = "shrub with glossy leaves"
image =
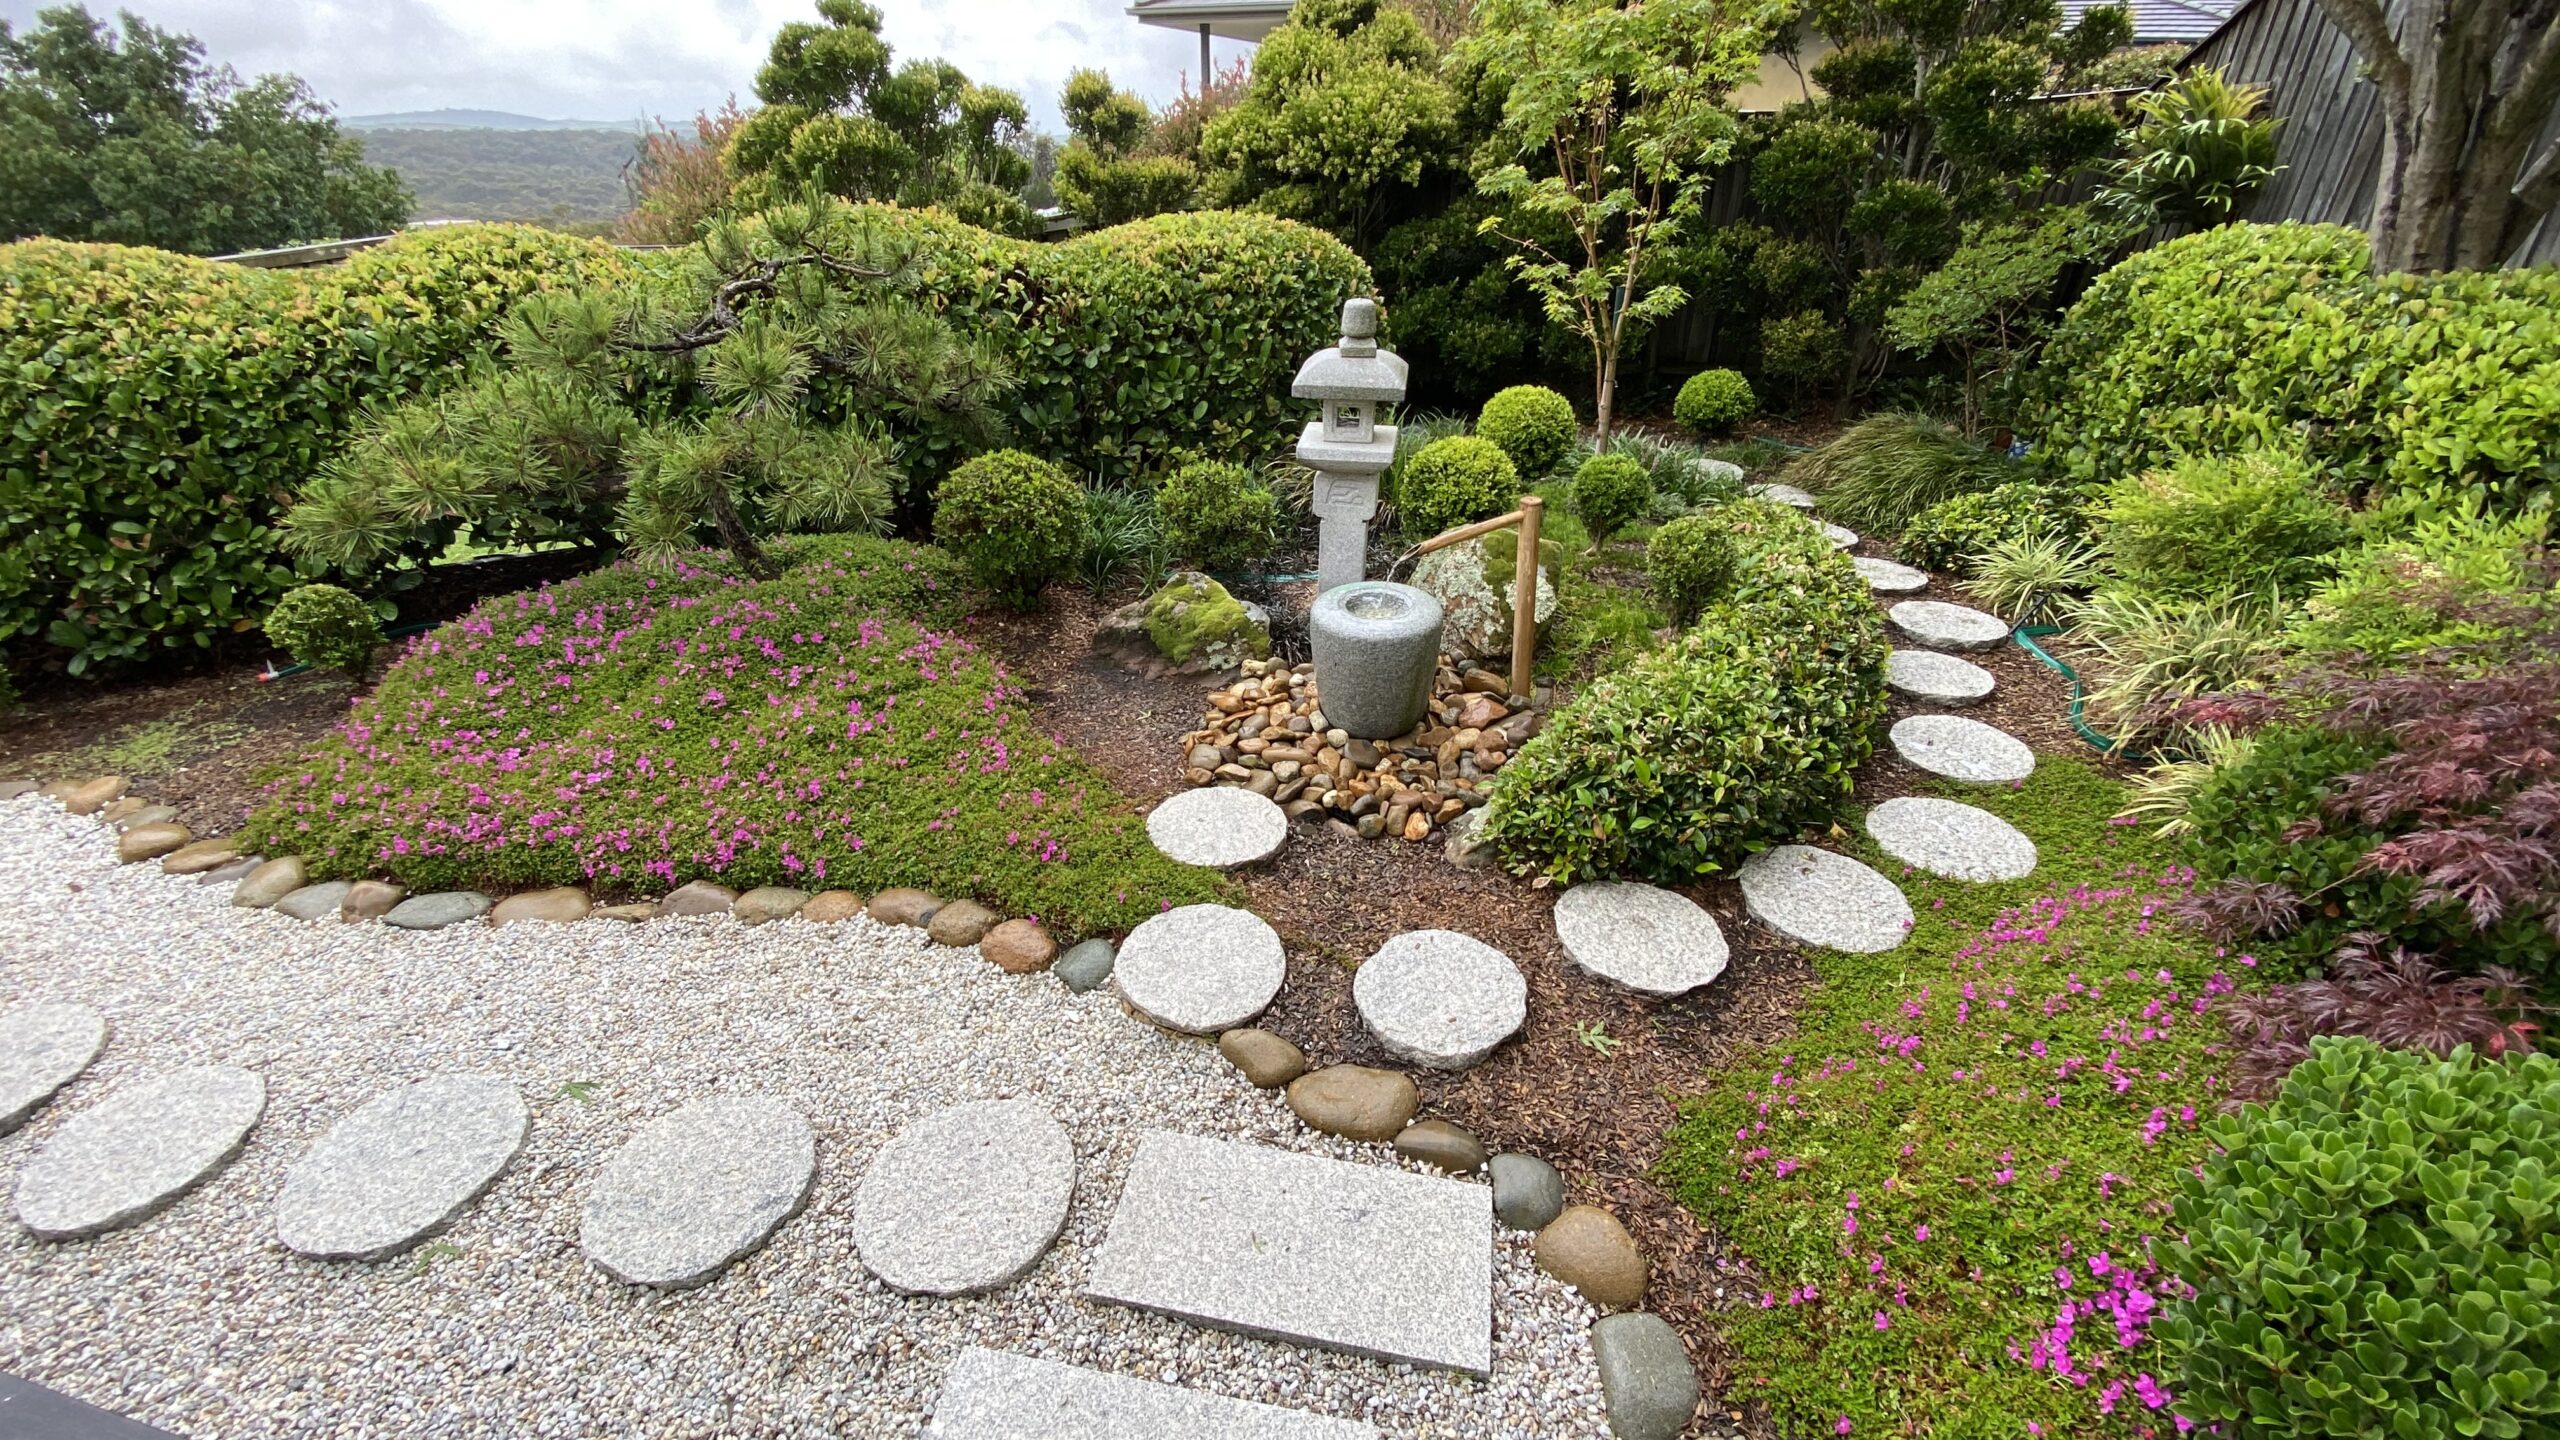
(1015, 521)
(1713, 402)
(1732, 739)
(1453, 482)
(325, 628)
(2256, 523)
(1691, 562)
(1534, 426)
(2373, 1253)
(1217, 515)
(1610, 492)
(1955, 532)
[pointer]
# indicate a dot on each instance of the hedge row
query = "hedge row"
(157, 410)
(2248, 335)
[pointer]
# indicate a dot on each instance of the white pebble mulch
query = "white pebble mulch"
(200, 1321)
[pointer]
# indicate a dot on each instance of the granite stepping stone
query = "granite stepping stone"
(965, 1200)
(992, 1395)
(1942, 626)
(1946, 837)
(1888, 577)
(698, 1189)
(1362, 1258)
(43, 1047)
(315, 902)
(401, 1168)
(1962, 749)
(1818, 898)
(1776, 493)
(1220, 826)
(1840, 536)
(436, 911)
(1439, 998)
(1200, 968)
(149, 1142)
(1648, 939)
(1939, 679)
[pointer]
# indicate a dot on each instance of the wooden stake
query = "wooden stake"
(1524, 598)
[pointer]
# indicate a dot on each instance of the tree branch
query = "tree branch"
(758, 280)
(2369, 30)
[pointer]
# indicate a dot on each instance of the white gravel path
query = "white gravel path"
(200, 1321)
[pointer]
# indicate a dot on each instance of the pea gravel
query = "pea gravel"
(199, 1321)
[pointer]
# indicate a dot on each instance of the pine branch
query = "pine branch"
(758, 282)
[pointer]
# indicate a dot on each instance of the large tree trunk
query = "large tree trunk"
(2466, 87)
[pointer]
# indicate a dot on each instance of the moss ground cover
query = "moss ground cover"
(636, 728)
(1949, 1184)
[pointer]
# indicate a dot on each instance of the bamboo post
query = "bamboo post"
(1524, 598)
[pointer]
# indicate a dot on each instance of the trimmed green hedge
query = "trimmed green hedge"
(1732, 739)
(156, 409)
(2236, 337)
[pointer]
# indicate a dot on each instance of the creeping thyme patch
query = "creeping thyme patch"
(1946, 1189)
(637, 728)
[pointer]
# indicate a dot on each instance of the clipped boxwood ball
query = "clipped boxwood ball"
(1691, 562)
(1713, 402)
(1015, 521)
(326, 628)
(1534, 426)
(1454, 482)
(1216, 515)
(1609, 493)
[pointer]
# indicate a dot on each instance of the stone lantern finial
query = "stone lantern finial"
(1359, 328)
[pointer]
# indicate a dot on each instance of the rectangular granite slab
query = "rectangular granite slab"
(1362, 1258)
(991, 1395)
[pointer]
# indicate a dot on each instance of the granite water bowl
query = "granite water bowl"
(1377, 646)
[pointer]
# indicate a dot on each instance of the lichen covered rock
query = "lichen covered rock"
(1195, 624)
(1472, 581)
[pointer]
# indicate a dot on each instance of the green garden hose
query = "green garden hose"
(2027, 635)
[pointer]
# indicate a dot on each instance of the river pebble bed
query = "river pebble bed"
(198, 1320)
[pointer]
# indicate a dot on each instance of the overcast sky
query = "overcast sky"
(619, 59)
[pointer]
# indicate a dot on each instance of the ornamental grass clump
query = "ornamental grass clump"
(1887, 468)
(637, 728)
(1731, 739)
(2374, 1252)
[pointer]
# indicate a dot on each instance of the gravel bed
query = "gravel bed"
(200, 1321)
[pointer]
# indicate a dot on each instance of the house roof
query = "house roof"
(2157, 22)
(1227, 19)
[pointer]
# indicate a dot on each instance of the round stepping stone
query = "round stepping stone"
(1962, 749)
(1840, 536)
(1819, 898)
(1439, 998)
(1648, 939)
(315, 902)
(1946, 837)
(1942, 626)
(149, 1142)
(696, 1190)
(1220, 826)
(43, 1047)
(1200, 968)
(401, 1168)
(1794, 495)
(1890, 577)
(965, 1200)
(436, 911)
(1939, 679)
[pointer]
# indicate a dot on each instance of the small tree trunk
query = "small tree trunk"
(735, 537)
(1604, 407)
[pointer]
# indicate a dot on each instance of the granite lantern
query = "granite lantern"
(1347, 448)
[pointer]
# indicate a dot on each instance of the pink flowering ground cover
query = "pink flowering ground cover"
(636, 728)
(1944, 1194)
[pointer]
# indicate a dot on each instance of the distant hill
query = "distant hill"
(478, 120)
(560, 176)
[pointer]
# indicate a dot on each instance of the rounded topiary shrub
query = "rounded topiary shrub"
(1732, 739)
(2373, 1253)
(1713, 402)
(1534, 426)
(1452, 482)
(1691, 563)
(326, 628)
(1216, 515)
(1014, 520)
(1610, 492)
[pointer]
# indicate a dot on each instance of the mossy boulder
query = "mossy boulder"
(1194, 623)
(1472, 581)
